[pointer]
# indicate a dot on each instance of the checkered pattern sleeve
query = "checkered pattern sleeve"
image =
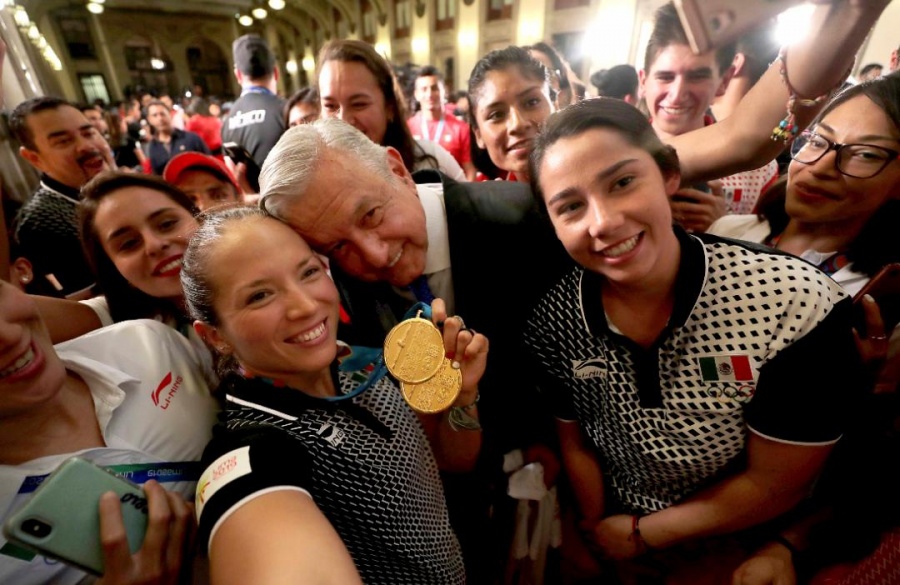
(546, 363)
(806, 390)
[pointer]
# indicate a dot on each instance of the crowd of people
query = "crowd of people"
(632, 294)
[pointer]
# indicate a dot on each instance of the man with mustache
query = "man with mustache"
(59, 141)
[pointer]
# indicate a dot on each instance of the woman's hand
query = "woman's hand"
(873, 347)
(770, 565)
(170, 530)
(462, 346)
(696, 210)
(611, 537)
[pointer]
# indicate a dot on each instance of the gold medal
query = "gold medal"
(414, 350)
(436, 394)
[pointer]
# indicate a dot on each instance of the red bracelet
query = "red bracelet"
(636, 534)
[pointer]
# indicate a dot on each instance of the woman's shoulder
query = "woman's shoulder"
(750, 228)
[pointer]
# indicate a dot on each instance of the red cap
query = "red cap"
(198, 161)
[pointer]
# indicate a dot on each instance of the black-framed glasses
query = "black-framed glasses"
(861, 161)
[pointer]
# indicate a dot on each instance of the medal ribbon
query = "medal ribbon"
(438, 132)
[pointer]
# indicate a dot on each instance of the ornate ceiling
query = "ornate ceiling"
(297, 13)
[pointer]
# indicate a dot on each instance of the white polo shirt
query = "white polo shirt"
(155, 413)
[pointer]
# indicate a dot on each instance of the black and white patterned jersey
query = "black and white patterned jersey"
(46, 229)
(757, 340)
(365, 461)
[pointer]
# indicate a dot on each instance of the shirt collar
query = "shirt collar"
(49, 182)
(437, 257)
(689, 283)
(107, 384)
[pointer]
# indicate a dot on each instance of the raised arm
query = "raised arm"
(279, 538)
(815, 66)
(457, 444)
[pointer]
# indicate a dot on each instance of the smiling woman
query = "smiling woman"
(680, 324)
(134, 229)
(323, 437)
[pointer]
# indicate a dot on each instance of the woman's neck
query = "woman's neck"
(64, 424)
(799, 237)
(317, 384)
(641, 311)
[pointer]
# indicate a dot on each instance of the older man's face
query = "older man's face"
(372, 226)
(67, 146)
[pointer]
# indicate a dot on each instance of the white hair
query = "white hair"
(293, 161)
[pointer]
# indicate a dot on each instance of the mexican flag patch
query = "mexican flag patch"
(726, 368)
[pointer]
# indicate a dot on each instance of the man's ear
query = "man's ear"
(739, 64)
(642, 82)
(211, 336)
(276, 72)
(726, 79)
(239, 76)
(33, 157)
(398, 167)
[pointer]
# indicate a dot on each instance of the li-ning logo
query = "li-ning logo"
(584, 369)
(164, 402)
(136, 502)
(332, 434)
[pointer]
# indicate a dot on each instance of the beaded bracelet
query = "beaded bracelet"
(787, 129)
(460, 419)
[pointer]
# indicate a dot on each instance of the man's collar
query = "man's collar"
(437, 257)
(50, 183)
(688, 284)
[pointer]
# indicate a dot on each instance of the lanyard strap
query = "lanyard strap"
(257, 89)
(139, 473)
(438, 132)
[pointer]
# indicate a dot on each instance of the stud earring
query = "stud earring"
(25, 279)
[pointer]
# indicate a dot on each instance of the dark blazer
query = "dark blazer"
(504, 255)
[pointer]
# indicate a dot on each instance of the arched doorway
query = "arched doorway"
(209, 68)
(149, 68)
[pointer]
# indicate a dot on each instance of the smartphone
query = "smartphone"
(62, 519)
(709, 24)
(239, 154)
(884, 287)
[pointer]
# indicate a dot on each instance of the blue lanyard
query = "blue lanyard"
(256, 89)
(380, 366)
(139, 473)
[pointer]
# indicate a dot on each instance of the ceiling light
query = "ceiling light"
(259, 13)
(246, 20)
(157, 64)
(95, 8)
(276, 4)
(21, 17)
(291, 66)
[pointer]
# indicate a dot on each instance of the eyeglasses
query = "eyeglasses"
(861, 161)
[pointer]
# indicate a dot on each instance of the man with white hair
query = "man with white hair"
(482, 247)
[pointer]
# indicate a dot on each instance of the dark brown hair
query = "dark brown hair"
(125, 301)
(397, 134)
(608, 113)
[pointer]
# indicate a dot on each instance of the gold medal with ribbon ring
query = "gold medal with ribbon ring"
(414, 354)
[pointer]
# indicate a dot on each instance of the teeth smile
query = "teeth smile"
(395, 259)
(623, 248)
(19, 364)
(310, 335)
(170, 266)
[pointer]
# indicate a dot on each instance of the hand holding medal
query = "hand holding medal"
(438, 362)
